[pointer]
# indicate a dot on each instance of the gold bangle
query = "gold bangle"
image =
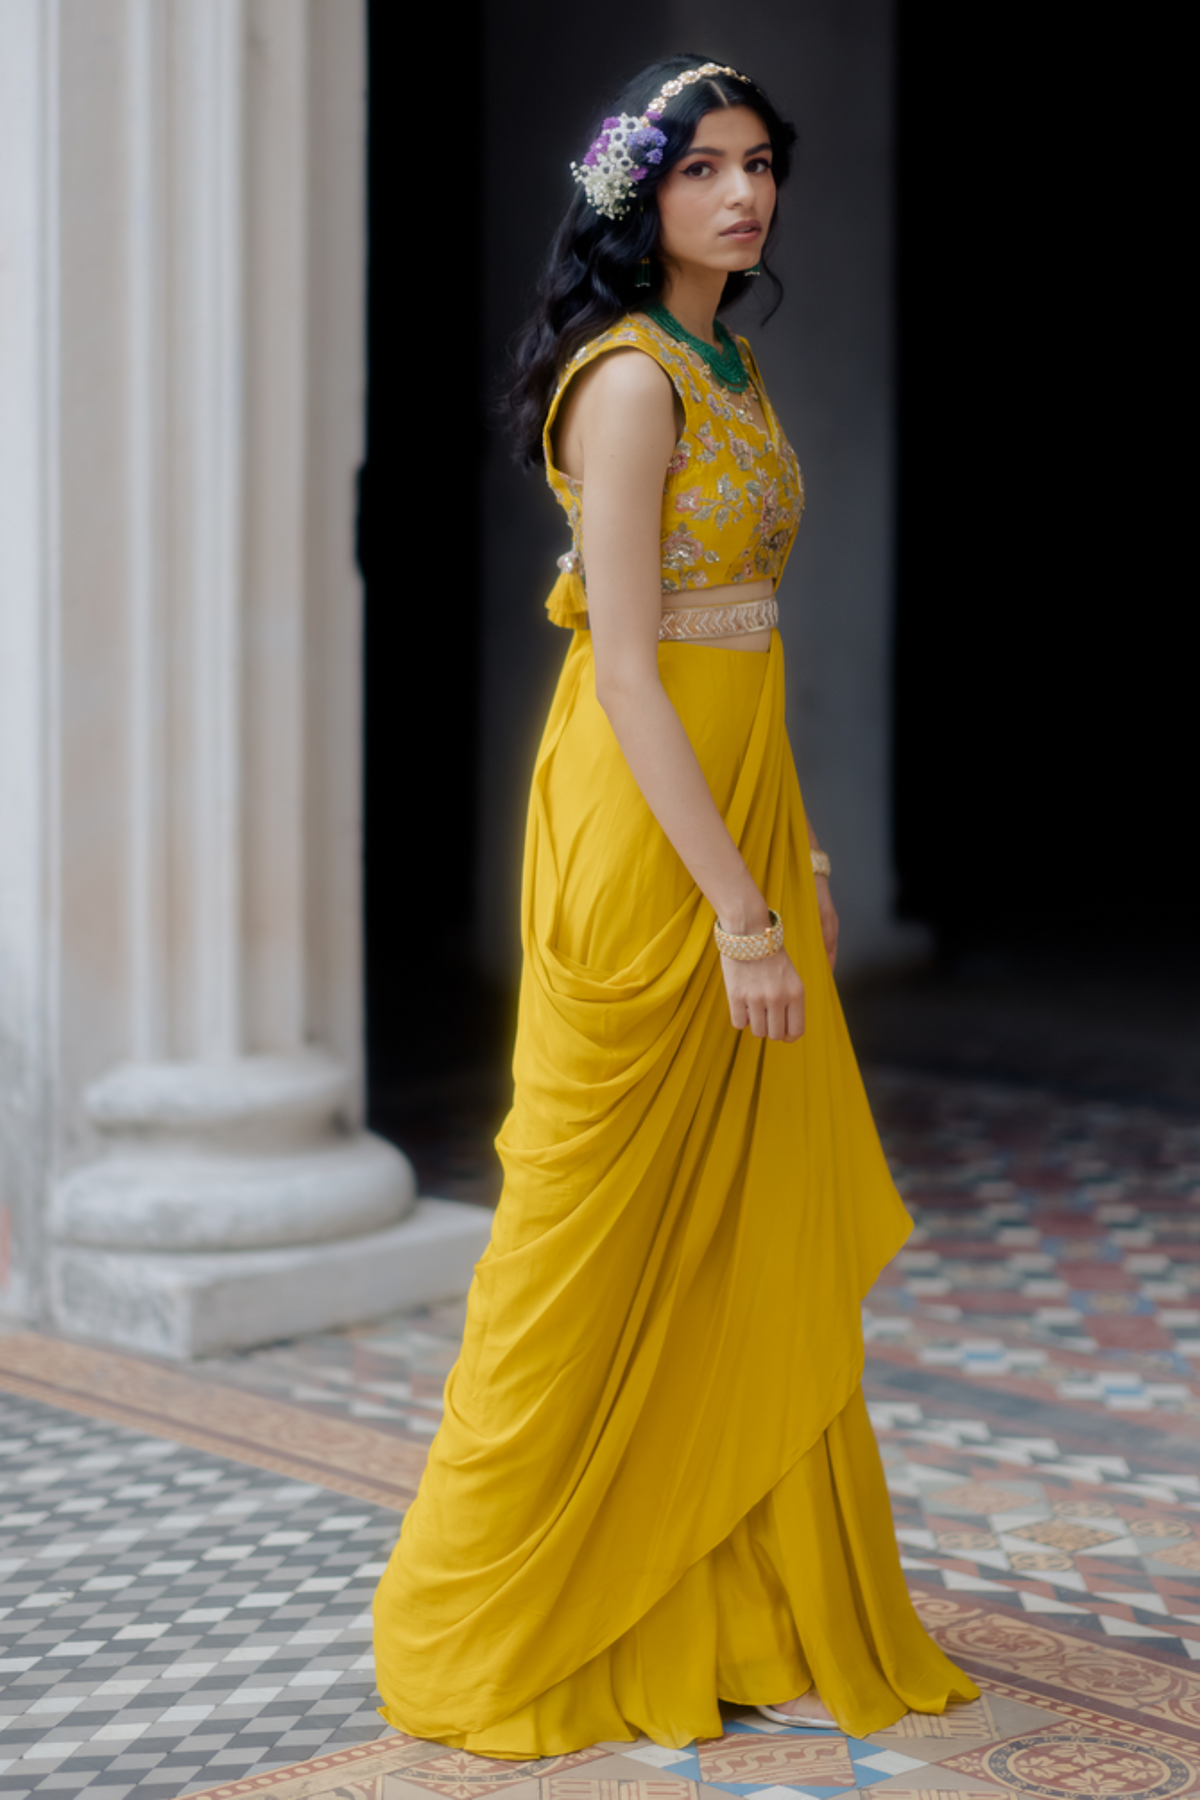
(820, 863)
(755, 945)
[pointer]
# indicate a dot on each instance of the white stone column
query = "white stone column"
(184, 1164)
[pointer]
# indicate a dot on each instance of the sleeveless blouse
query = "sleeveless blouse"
(733, 493)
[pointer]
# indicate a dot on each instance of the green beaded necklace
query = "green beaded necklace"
(726, 362)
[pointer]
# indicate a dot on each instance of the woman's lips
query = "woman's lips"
(746, 229)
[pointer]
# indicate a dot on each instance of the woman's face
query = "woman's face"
(715, 204)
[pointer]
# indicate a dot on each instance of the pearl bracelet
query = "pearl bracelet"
(820, 863)
(755, 945)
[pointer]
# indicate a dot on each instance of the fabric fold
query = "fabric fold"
(667, 1318)
(805, 1591)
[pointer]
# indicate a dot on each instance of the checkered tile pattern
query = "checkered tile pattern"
(1077, 1224)
(179, 1622)
(1116, 1548)
(170, 1619)
(1027, 1367)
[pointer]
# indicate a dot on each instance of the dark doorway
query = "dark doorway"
(420, 557)
(1043, 742)
(1044, 748)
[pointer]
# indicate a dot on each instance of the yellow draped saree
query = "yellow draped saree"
(655, 1485)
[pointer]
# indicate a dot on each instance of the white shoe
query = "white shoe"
(796, 1722)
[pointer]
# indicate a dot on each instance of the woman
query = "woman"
(656, 1486)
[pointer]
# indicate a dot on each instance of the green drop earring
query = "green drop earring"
(642, 278)
(756, 270)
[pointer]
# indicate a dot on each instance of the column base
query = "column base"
(200, 1304)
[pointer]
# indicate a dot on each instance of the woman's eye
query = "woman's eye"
(759, 166)
(698, 169)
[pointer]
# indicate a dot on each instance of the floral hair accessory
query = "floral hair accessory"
(627, 146)
(617, 161)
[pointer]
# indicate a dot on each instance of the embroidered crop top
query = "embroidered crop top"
(733, 494)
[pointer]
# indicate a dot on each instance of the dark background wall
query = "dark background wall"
(989, 674)
(1045, 758)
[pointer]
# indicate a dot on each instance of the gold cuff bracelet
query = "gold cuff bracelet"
(753, 947)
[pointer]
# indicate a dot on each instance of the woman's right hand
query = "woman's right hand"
(767, 995)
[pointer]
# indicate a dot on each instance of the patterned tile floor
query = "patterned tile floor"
(170, 1615)
(182, 1620)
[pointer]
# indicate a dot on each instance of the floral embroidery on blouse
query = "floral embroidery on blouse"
(742, 454)
(733, 493)
(680, 550)
(708, 451)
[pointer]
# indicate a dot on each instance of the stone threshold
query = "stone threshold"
(189, 1409)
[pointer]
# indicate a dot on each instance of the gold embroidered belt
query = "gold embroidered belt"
(686, 624)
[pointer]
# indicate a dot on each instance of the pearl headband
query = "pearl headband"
(627, 146)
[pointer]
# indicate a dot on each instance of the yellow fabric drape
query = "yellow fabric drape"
(667, 1320)
(567, 601)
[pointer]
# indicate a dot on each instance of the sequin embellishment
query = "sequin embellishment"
(687, 624)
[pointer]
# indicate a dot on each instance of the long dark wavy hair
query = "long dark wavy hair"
(588, 280)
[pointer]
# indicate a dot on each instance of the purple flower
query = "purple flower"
(636, 174)
(609, 123)
(654, 156)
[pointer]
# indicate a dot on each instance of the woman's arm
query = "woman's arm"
(622, 430)
(825, 906)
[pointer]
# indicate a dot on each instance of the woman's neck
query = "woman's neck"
(692, 296)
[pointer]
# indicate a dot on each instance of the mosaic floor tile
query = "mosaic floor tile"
(459, 1775)
(1062, 1762)
(357, 1769)
(392, 1373)
(164, 1610)
(934, 1736)
(953, 1792)
(151, 1396)
(579, 1787)
(1033, 1372)
(747, 1762)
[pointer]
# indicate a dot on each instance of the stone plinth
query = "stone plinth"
(205, 1302)
(232, 1205)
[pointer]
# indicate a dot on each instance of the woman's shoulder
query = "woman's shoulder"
(682, 367)
(632, 332)
(632, 380)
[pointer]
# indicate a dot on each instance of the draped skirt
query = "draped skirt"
(655, 1485)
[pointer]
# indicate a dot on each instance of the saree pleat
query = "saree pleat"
(652, 1485)
(806, 1589)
